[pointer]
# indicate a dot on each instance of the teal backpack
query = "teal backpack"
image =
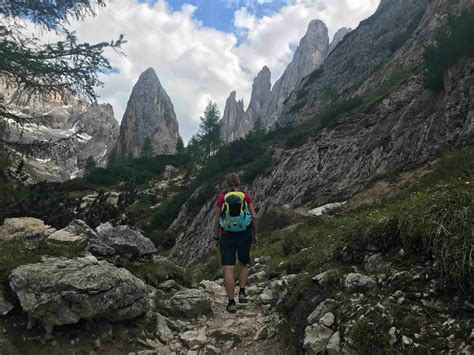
(235, 215)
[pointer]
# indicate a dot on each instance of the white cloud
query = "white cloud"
(195, 63)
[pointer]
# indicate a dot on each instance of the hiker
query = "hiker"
(235, 225)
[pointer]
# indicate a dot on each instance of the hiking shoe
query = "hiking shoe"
(242, 297)
(231, 307)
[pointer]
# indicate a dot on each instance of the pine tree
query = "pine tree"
(180, 146)
(147, 149)
(209, 130)
(90, 166)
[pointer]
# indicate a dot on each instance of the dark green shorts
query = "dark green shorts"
(235, 243)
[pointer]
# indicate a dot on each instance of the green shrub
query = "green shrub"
(258, 166)
(313, 76)
(328, 117)
(453, 41)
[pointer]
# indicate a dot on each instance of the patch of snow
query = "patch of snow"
(84, 136)
(318, 211)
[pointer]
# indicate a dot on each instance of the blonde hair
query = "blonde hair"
(232, 180)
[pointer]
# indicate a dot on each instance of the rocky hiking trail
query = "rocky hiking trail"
(251, 330)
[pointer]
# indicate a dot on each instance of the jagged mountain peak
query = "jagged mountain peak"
(150, 113)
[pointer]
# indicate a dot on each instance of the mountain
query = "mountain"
(399, 123)
(310, 54)
(86, 130)
(149, 113)
(232, 118)
(338, 37)
(359, 56)
(237, 124)
(266, 105)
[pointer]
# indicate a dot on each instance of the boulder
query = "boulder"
(26, 229)
(194, 337)
(163, 331)
(359, 281)
(374, 263)
(325, 277)
(64, 237)
(328, 319)
(120, 240)
(189, 303)
(324, 307)
(316, 338)
(333, 347)
(63, 291)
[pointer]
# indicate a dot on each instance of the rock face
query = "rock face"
(338, 37)
(91, 130)
(356, 58)
(237, 124)
(410, 126)
(232, 119)
(150, 113)
(58, 291)
(309, 55)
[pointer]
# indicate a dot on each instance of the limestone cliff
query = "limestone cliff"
(309, 55)
(232, 119)
(149, 113)
(90, 130)
(409, 126)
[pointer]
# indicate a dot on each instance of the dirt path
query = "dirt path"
(242, 333)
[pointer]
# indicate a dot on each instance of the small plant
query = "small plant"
(454, 40)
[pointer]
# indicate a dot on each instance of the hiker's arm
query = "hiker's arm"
(217, 228)
(254, 223)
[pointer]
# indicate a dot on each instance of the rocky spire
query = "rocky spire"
(150, 113)
(261, 90)
(338, 37)
(309, 55)
(233, 115)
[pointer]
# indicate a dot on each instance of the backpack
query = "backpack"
(235, 215)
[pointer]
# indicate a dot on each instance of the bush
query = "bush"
(258, 166)
(453, 41)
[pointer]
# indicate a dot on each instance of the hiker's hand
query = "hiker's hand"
(255, 240)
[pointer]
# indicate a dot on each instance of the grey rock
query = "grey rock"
(310, 54)
(258, 277)
(163, 331)
(149, 113)
(168, 285)
(327, 320)
(194, 337)
(323, 308)
(59, 291)
(406, 340)
(91, 130)
(334, 347)
(232, 118)
(356, 281)
(338, 37)
(189, 303)
(374, 263)
(23, 228)
(324, 277)
(120, 240)
(66, 238)
(316, 338)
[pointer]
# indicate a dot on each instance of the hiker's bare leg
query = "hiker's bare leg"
(229, 282)
(243, 275)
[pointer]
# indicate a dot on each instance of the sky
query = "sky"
(202, 50)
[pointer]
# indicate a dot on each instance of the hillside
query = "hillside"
(364, 193)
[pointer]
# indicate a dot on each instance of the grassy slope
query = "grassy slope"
(432, 221)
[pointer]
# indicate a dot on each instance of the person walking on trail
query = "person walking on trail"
(235, 225)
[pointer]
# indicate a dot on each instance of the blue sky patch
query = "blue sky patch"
(219, 14)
